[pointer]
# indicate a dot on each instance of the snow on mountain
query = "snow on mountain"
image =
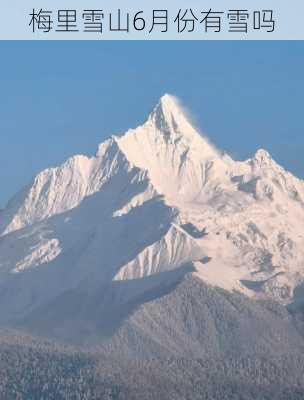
(151, 201)
(181, 163)
(57, 190)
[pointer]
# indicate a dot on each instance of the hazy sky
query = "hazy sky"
(62, 98)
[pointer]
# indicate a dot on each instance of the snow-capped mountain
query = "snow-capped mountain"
(153, 205)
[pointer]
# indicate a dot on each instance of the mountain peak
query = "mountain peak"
(263, 158)
(169, 103)
(262, 155)
(170, 117)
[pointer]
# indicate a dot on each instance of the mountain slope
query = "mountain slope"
(176, 316)
(153, 206)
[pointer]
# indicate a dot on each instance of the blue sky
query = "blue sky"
(62, 98)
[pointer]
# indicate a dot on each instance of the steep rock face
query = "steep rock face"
(182, 164)
(148, 203)
(57, 190)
